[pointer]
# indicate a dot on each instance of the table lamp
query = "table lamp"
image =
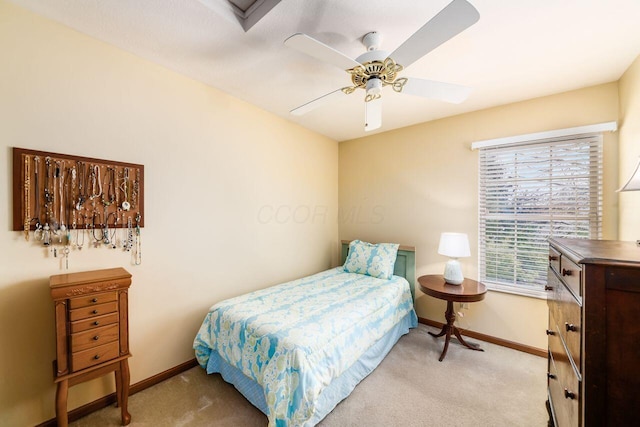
(633, 184)
(454, 245)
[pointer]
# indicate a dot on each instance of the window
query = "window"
(529, 191)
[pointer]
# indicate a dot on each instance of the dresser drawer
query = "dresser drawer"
(554, 259)
(94, 322)
(571, 274)
(93, 356)
(94, 299)
(94, 338)
(554, 287)
(569, 323)
(93, 311)
(562, 386)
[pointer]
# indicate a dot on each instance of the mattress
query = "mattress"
(295, 339)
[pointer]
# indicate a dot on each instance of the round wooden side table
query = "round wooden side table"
(469, 291)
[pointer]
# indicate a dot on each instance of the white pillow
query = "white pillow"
(373, 260)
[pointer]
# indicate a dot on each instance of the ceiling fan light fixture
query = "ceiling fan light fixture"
(374, 89)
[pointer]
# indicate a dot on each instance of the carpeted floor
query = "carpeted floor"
(497, 387)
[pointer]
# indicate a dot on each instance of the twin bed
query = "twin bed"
(297, 349)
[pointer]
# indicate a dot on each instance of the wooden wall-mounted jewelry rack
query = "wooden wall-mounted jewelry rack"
(56, 193)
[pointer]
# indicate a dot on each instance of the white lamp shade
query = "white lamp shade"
(454, 245)
(634, 182)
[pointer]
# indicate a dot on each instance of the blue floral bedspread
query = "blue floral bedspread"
(295, 338)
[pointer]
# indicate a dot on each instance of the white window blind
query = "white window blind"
(531, 191)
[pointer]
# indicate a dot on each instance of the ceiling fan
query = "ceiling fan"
(377, 68)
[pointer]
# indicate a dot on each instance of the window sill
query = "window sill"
(523, 292)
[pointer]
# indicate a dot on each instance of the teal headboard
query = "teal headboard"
(405, 264)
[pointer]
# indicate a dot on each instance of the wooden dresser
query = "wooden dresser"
(594, 333)
(92, 332)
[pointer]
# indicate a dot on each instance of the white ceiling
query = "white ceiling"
(519, 49)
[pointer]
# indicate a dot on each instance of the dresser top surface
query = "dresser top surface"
(86, 277)
(584, 251)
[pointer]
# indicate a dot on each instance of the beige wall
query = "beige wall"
(411, 184)
(236, 199)
(629, 150)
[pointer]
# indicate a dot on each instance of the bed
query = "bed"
(297, 349)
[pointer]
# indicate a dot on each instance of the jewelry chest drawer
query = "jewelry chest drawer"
(92, 311)
(93, 322)
(93, 356)
(91, 300)
(93, 338)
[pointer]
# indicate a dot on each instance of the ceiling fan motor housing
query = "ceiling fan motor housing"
(376, 67)
(372, 40)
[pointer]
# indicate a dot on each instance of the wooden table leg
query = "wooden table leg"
(463, 342)
(450, 315)
(122, 390)
(62, 391)
(448, 329)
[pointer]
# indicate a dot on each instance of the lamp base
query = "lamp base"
(453, 272)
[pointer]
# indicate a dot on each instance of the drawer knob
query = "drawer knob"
(96, 338)
(566, 272)
(96, 323)
(570, 327)
(551, 376)
(97, 356)
(94, 300)
(550, 332)
(553, 258)
(95, 311)
(569, 394)
(548, 288)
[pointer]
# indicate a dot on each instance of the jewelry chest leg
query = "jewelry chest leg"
(61, 403)
(122, 390)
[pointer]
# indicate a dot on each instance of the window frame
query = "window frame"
(532, 140)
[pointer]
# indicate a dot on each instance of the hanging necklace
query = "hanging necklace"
(125, 190)
(56, 174)
(129, 243)
(123, 232)
(27, 196)
(47, 192)
(111, 237)
(105, 228)
(138, 241)
(110, 183)
(135, 191)
(78, 231)
(48, 197)
(93, 230)
(81, 177)
(37, 234)
(60, 171)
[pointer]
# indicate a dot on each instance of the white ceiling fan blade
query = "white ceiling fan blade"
(311, 105)
(447, 92)
(312, 47)
(373, 114)
(450, 21)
